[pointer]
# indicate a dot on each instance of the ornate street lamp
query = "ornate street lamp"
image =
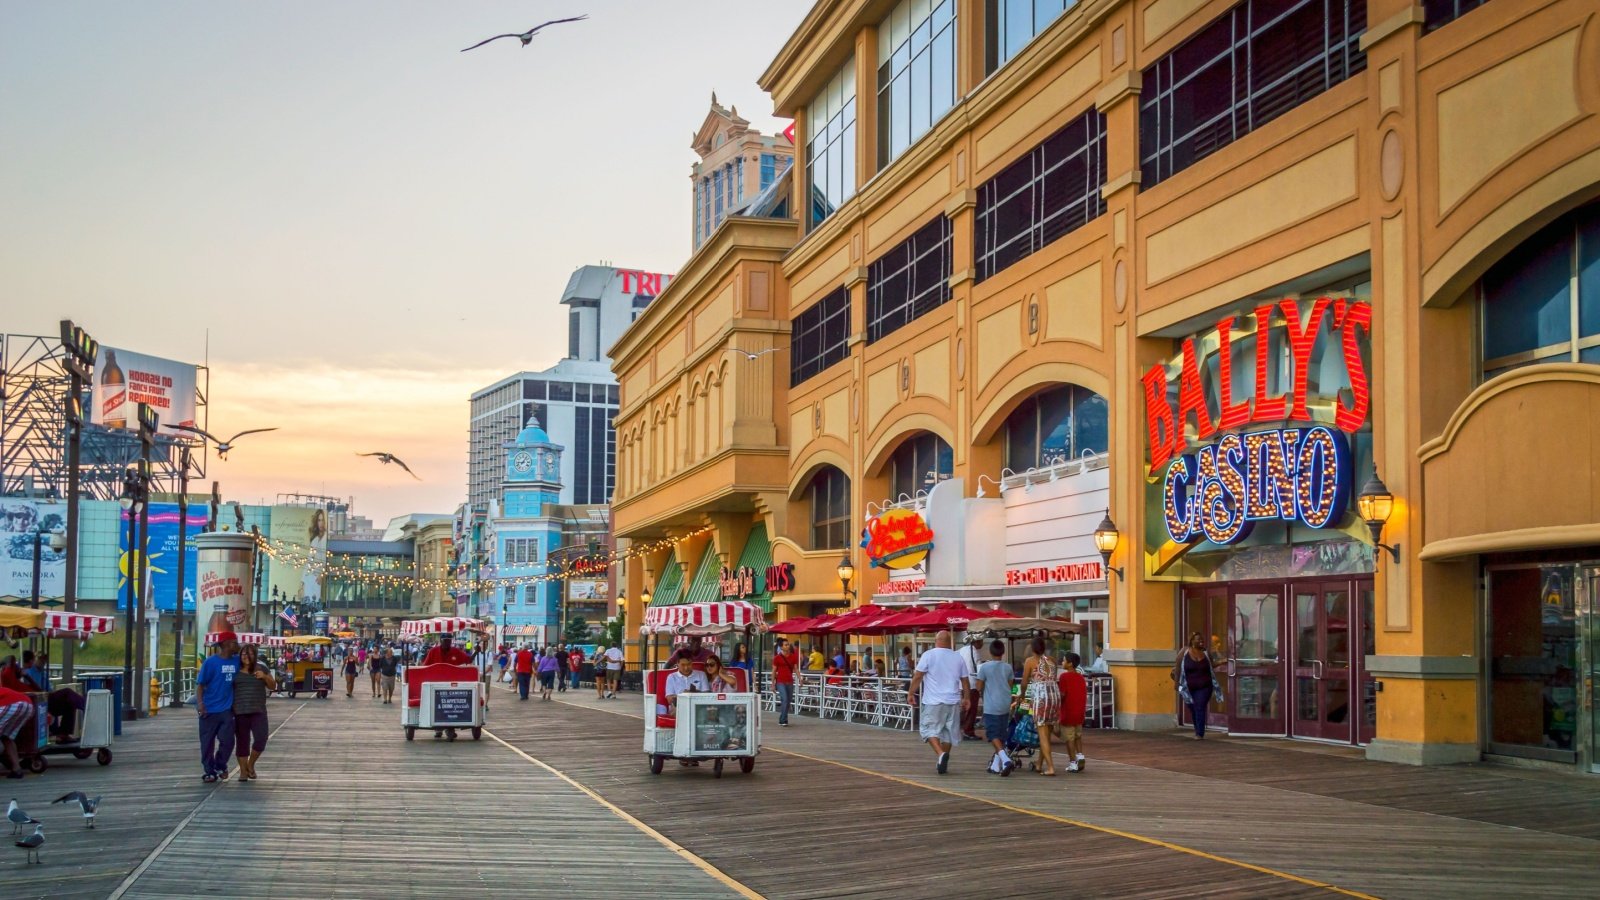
(1377, 504)
(1106, 538)
(847, 574)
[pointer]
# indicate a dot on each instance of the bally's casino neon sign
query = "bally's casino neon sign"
(1239, 476)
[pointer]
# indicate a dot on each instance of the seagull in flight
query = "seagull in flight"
(17, 817)
(527, 36)
(32, 843)
(222, 446)
(88, 806)
(387, 458)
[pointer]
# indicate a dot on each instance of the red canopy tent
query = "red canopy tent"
(891, 621)
(954, 616)
(796, 625)
(848, 623)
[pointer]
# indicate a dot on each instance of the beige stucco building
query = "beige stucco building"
(1233, 258)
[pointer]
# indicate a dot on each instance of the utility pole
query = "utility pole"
(183, 551)
(149, 422)
(82, 350)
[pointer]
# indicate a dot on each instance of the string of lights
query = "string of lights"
(338, 566)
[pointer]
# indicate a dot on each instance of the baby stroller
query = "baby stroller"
(1022, 737)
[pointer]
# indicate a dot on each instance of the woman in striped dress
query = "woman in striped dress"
(1039, 674)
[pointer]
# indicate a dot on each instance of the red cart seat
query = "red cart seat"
(417, 676)
(656, 686)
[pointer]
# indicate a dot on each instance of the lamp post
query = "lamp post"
(81, 352)
(183, 551)
(133, 498)
(847, 574)
(149, 423)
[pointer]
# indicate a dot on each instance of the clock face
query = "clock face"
(523, 461)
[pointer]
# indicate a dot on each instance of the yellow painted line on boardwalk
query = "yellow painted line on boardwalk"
(683, 852)
(1143, 839)
(167, 841)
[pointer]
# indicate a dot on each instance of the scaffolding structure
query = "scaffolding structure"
(33, 429)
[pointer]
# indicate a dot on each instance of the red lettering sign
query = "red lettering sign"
(901, 586)
(649, 284)
(1351, 320)
(1064, 572)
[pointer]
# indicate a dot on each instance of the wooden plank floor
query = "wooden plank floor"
(346, 808)
(1385, 830)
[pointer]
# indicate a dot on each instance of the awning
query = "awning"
(707, 584)
(440, 625)
(670, 586)
(59, 623)
(689, 618)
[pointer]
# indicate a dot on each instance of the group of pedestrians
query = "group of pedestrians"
(231, 691)
(558, 667)
(382, 666)
(951, 687)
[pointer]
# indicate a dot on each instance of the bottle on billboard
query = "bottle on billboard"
(113, 393)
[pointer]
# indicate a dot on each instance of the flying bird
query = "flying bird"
(387, 458)
(32, 843)
(17, 817)
(527, 36)
(88, 806)
(222, 446)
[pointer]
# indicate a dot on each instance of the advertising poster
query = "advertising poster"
(301, 532)
(19, 519)
(161, 552)
(224, 581)
(124, 379)
(589, 590)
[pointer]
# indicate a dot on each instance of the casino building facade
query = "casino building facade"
(1312, 288)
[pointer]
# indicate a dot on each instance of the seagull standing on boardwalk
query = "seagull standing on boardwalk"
(32, 843)
(526, 37)
(222, 446)
(387, 458)
(88, 806)
(17, 817)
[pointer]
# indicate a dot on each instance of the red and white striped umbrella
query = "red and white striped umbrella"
(725, 615)
(58, 624)
(440, 625)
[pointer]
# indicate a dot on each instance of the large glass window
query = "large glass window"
(1256, 62)
(830, 510)
(1054, 426)
(1439, 13)
(910, 280)
(1542, 294)
(769, 169)
(831, 145)
(1052, 190)
(1013, 23)
(919, 463)
(916, 72)
(819, 336)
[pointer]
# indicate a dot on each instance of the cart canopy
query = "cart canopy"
(440, 625)
(703, 618)
(61, 624)
(302, 640)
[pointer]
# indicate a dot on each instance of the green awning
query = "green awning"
(707, 584)
(670, 586)
(757, 554)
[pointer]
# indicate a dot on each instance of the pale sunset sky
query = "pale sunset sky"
(368, 223)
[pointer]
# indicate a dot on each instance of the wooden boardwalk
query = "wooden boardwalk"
(557, 802)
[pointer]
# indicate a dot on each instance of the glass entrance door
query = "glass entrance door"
(1255, 636)
(1206, 613)
(1590, 581)
(1324, 630)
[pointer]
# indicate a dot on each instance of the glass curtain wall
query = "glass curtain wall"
(831, 144)
(916, 72)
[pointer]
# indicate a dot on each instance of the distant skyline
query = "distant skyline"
(363, 222)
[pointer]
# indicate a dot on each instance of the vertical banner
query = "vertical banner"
(302, 533)
(19, 521)
(164, 544)
(223, 572)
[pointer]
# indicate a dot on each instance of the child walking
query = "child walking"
(994, 685)
(1074, 701)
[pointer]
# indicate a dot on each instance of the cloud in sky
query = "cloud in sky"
(266, 184)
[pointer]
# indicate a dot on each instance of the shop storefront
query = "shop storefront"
(1259, 437)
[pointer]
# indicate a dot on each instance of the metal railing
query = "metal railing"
(164, 678)
(882, 701)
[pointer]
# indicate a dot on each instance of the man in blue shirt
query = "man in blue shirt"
(214, 701)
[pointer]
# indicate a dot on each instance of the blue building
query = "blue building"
(523, 529)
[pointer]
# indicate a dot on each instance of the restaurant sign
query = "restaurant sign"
(745, 581)
(1294, 368)
(1057, 574)
(897, 539)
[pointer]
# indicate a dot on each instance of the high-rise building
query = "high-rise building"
(737, 162)
(575, 399)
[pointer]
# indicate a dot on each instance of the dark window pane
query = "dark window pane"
(1527, 296)
(533, 390)
(1589, 271)
(1089, 423)
(561, 391)
(1042, 196)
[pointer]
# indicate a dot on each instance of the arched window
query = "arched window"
(1541, 303)
(1054, 426)
(919, 463)
(830, 509)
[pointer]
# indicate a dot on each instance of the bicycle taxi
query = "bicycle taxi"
(717, 725)
(305, 673)
(443, 696)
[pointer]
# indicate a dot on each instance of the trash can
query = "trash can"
(112, 683)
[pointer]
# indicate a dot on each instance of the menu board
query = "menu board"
(453, 706)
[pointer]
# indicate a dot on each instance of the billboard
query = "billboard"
(301, 531)
(588, 590)
(161, 550)
(124, 379)
(18, 521)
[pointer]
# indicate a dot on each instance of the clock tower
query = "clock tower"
(533, 472)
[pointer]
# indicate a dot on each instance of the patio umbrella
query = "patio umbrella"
(819, 624)
(796, 625)
(954, 616)
(847, 623)
(890, 621)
